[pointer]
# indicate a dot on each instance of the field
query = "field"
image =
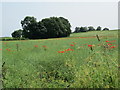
(78, 61)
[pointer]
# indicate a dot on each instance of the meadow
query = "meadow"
(78, 61)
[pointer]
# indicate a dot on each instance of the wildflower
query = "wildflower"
(106, 41)
(90, 45)
(71, 45)
(112, 47)
(0, 49)
(8, 49)
(109, 44)
(69, 49)
(61, 51)
(44, 46)
(35, 45)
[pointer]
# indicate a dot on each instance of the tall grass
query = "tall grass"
(38, 64)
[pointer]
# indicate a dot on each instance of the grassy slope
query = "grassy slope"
(44, 67)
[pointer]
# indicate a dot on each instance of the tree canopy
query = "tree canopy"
(98, 28)
(57, 27)
(32, 29)
(17, 34)
(90, 28)
(106, 29)
(52, 27)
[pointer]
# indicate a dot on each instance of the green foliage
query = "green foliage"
(91, 28)
(77, 29)
(47, 28)
(106, 29)
(83, 29)
(17, 34)
(29, 25)
(80, 29)
(98, 28)
(57, 27)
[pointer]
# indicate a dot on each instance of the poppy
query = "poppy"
(71, 45)
(111, 41)
(43, 46)
(107, 41)
(90, 45)
(109, 44)
(0, 49)
(112, 47)
(61, 51)
(8, 49)
(69, 49)
(35, 45)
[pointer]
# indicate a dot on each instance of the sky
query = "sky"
(104, 14)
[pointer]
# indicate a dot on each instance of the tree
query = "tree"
(41, 31)
(33, 29)
(80, 29)
(17, 34)
(66, 26)
(91, 28)
(83, 29)
(47, 28)
(77, 29)
(57, 27)
(98, 28)
(29, 24)
(106, 29)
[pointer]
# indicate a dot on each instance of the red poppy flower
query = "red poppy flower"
(0, 49)
(35, 45)
(43, 46)
(69, 49)
(71, 45)
(112, 47)
(109, 44)
(61, 51)
(90, 45)
(107, 41)
(8, 49)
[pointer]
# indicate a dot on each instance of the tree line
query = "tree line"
(90, 28)
(53, 27)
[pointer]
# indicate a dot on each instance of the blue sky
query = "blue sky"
(95, 14)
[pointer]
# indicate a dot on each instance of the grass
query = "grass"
(37, 63)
